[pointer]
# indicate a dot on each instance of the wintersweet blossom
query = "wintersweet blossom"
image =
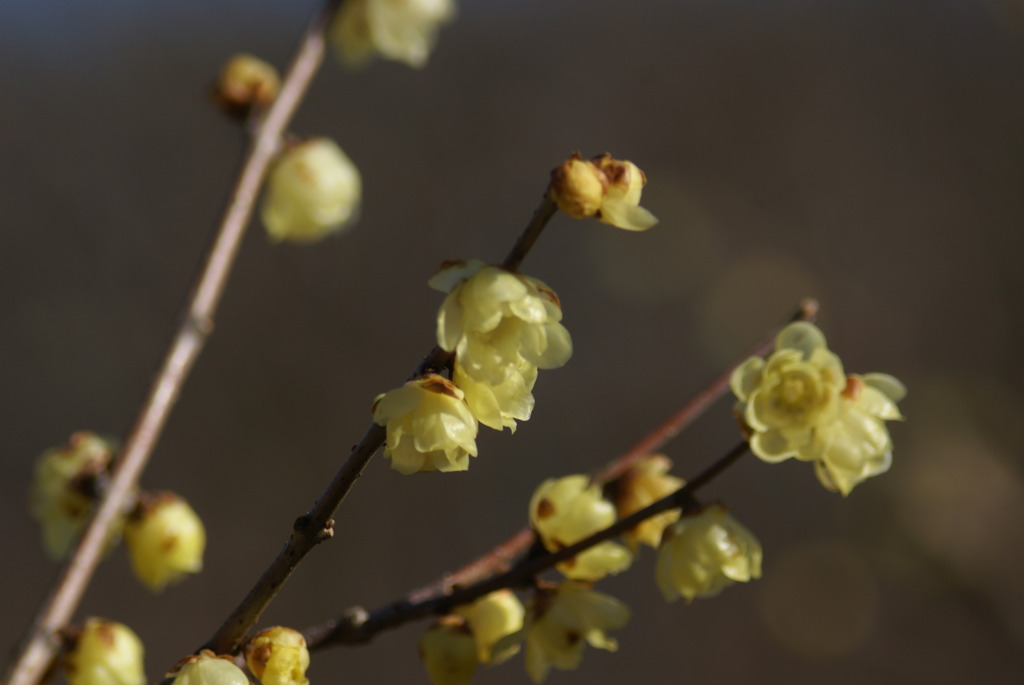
(562, 620)
(492, 619)
(704, 552)
(206, 668)
(502, 327)
(57, 500)
(449, 651)
(278, 656)
(313, 190)
(563, 511)
(800, 403)
(429, 426)
(401, 30)
(643, 484)
(604, 187)
(165, 539)
(105, 653)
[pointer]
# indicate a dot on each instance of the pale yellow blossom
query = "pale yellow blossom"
(278, 656)
(561, 621)
(401, 30)
(449, 651)
(165, 539)
(704, 552)
(313, 190)
(566, 510)
(429, 426)
(207, 669)
(604, 187)
(643, 484)
(492, 619)
(105, 653)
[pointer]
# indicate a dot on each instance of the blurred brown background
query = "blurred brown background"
(869, 153)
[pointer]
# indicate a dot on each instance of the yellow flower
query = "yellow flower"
(605, 187)
(449, 651)
(105, 653)
(207, 669)
(313, 190)
(857, 445)
(166, 539)
(502, 326)
(786, 398)
(564, 511)
(278, 656)
(61, 500)
(560, 621)
(401, 30)
(492, 619)
(799, 403)
(429, 426)
(645, 483)
(702, 553)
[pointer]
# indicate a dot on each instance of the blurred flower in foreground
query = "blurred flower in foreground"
(166, 539)
(644, 483)
(278, 656)
(246, 82)
(207, 669)
(449, 652)
(607, 188)
(313, 190)
(561, 620)
(401, 30)
(800, 403)
(566, 510)
(429, 426)
(502, 327)
(105, 653)
(62, 492)
(492, 618)
(703, 552)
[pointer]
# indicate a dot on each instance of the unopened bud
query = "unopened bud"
(313, 190)
(246, 82)
(578, 187)
(166, 539)
(105, 653)
(278, 656)
(449, 651)
(206, 668)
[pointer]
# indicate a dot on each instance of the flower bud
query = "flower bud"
(492, 618)
(63, 490)
(578, 187)
(564, 511)
(644, 483)
(562, 620)
(105, 653)
(313, 190)
(206, 668)
(166, 539)
(449, 651)
(246, 82)
(278, 656)
(429, 426)
(704, 552)
(621, 207)
(401, 30)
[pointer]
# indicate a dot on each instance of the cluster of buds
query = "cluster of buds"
(603, 187)
(800, 403)
(400, 30)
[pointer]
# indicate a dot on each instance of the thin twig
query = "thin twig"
(500, 558)
(41, 644)
(358, 626)
(317, 525)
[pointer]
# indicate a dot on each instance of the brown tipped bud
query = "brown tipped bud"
(578, 187)
(246, 82)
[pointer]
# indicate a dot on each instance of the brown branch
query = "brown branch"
(41, 643)
(317, 525)
(500, 558)
(358, 626)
